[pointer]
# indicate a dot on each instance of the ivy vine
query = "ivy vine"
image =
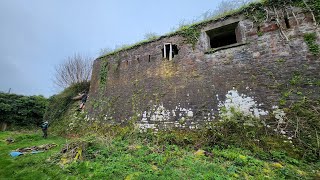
(191, 34)
(104, 72)
(276, 10)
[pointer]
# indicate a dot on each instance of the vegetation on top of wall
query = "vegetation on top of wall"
(311, 40)
(150, 36)
(184, 31)
(191, 34)
(256, 11)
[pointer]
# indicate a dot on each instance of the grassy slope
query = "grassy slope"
(135, 158)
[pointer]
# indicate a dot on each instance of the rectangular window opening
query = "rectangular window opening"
(223, 36)
(169, 50)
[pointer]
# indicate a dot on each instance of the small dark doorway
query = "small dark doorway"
(175, 50)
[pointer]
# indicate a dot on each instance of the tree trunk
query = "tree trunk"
(3, 126)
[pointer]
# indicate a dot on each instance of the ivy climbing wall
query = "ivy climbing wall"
(274, 62)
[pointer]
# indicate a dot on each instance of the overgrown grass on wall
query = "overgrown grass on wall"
(238, 149)
(297, 136)
(60, 103)
(256, 11)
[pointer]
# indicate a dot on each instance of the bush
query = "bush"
(304, 126)
(21, 110)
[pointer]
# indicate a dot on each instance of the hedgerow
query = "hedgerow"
(22, 110)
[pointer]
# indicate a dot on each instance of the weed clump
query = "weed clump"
(311, 40)
(304, 125)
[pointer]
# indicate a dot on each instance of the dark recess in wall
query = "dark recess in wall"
(223, 36)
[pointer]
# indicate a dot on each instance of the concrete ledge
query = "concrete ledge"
(210, 51)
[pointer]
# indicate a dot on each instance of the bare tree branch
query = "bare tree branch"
(75, 69)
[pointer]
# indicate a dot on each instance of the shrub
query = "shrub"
(304, 126)
(60, 103)
(22, 110)
(311, 40)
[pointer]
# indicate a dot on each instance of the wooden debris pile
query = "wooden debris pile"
(72, 152)
(43, 147)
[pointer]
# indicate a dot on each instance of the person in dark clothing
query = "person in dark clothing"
(83, 100)
(44, 128)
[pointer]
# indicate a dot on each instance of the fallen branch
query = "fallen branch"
(294, 15)
(313, 17)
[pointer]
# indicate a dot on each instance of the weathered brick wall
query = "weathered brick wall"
(188, 91)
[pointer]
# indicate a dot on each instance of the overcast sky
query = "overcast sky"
(36, 35)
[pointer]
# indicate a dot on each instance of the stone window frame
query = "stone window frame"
(239, 31)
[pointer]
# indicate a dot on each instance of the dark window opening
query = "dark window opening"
(286, 20)
(175, 50)
(149, 60)
(258, 29)
(138, 60)
(169, 48)
(166, 52)
(223, 36)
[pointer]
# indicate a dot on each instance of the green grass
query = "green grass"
(29, 166)
(140, 158)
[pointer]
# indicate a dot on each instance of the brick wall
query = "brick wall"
(189, 90)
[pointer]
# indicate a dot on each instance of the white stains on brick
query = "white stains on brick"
(239, 103)
(158, 115)
(144, 117)
(189, 113)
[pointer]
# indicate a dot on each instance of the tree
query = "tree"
(75, 69)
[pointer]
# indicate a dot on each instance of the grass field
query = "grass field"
(134, 158)
(29, 166)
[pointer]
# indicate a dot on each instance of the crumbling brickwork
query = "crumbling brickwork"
(189, 90)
